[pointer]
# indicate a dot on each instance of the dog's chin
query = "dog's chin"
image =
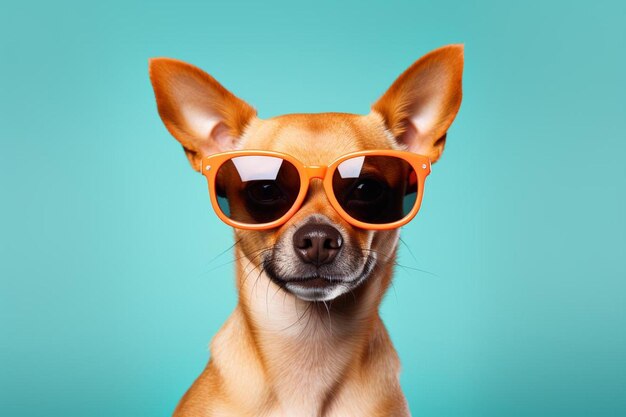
(320, 288)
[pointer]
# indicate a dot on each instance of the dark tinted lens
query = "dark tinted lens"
(376, 189)
(256, 189)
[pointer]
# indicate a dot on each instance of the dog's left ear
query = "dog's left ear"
(421, 104)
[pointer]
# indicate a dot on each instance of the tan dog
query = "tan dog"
(286, 352)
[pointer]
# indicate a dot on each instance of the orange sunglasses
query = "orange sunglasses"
(257, 190)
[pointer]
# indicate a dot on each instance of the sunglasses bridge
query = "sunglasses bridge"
(316, 171)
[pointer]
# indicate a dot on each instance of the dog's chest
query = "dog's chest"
(304, 374)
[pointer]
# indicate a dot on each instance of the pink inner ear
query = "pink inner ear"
(222, 138)
(409, 136)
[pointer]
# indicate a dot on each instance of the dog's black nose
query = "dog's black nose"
(317, 243)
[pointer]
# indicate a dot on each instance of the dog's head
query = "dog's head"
(316, 255)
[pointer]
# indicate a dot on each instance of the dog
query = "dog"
(316, 201)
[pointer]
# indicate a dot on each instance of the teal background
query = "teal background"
(109, 290)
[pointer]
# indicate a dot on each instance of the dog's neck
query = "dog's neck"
(303, 350)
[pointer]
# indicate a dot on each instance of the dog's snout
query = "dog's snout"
(317, 243)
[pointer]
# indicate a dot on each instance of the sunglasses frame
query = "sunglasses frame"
(420, 163)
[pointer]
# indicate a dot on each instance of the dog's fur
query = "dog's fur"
(283, 352)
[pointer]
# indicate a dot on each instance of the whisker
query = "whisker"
(258, 278)
(224, 251)
(230, 262)
(299, 317)
(330, 322)
(267, 292)
(366, 250)
(351, 293)
(408, 248)
(251, 260)
(284, 299)
(306, 325)
(394, 290)
(280, 287)
(416, 269)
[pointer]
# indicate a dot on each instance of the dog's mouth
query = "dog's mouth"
(314, 282)
(320, 287)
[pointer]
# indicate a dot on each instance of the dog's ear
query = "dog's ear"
(421, 104)
(201, 114)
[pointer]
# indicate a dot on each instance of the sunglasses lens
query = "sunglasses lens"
(376, 189)
(256, 189)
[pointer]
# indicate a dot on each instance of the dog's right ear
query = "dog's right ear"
(201, 114)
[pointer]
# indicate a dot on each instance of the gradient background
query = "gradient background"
(108, 291)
